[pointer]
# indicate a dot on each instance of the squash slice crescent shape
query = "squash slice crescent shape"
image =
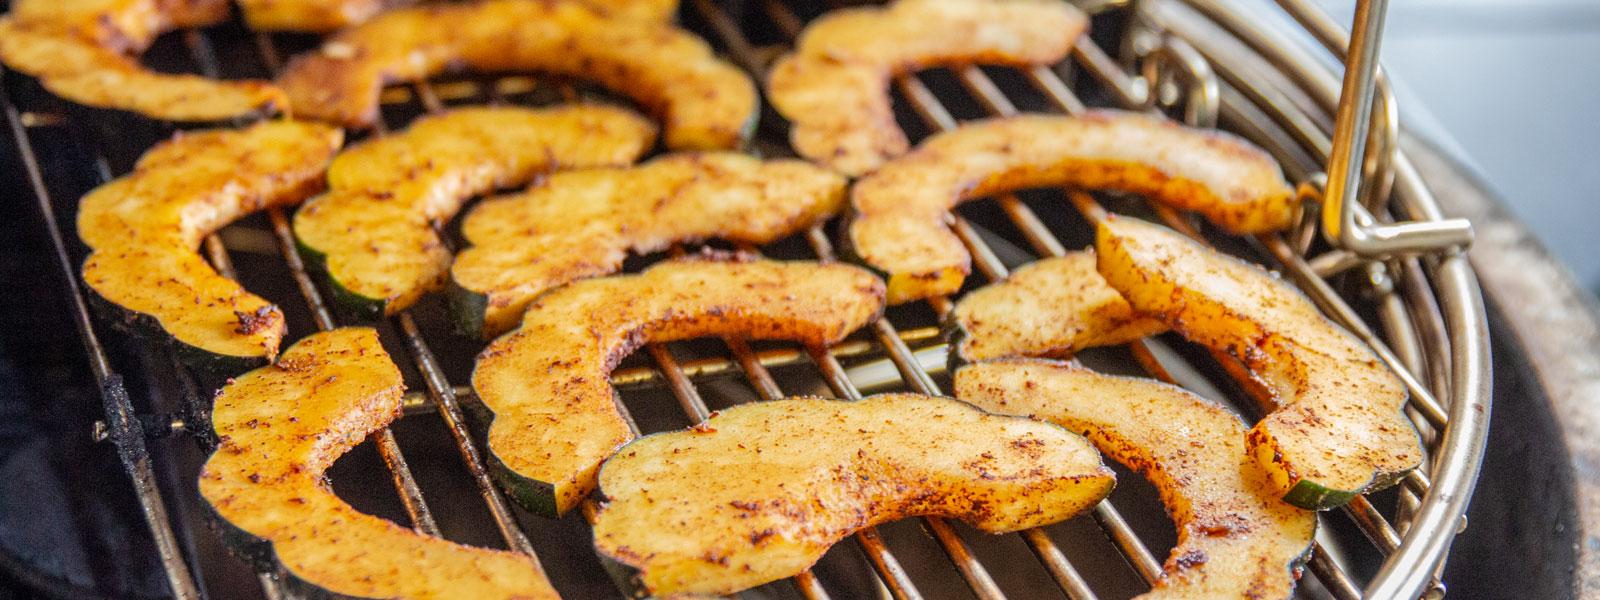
(373, 237)
(281, 427)
(78, 49)
(555, 412)
(1338, 429)
(899, 226)
(834, 88)
(1236, 538)
(702, 102)
(144, 229)
(582, 224)
(322, 16)
(760, 491)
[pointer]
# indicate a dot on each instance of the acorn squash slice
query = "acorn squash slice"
(555, 412)
(703, 102)
(760, 491)
(373, 237)
(1236, 538)
(900, 211)
(1338, 430)
(582, 224)
(281, 427)
(834, 88)
(322, 16)
(144, 230)
(80, 50)
(1052, 307)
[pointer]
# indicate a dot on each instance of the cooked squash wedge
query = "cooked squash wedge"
(760, 491)
(281, 427)
(1338, 430)
(144, 230)
(1053, 307)
(582, 224)
(1236, 538)
(834, 88)
(322, 16)
(702, 102)
(556, 415)
(119, 25)
(658, 11)
(82, 71)
(899, 225)
(373, 236)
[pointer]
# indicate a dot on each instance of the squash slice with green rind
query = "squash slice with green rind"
(556, 415)
(1236, 538)
(1338, 429)
(145, 228)
(760, 491)
(373, 238)
(900, 212)
(584, 223)
(281, 427)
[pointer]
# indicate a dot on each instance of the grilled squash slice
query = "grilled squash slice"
(119, 25)
(1236, 539)
(760, 491)
(901, 210)
(281, 427)
(582, 224)
(703, 102)
(321, 16)
(834, 88)
(374, 236)
(1338, 430)
(556, 415)
(1053, 307)
(145, 228)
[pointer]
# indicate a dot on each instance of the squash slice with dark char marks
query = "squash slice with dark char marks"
(281, 427)
(373, 237)
(702, 102)
(1338, 429)
(834, 88)
(760, 491)
(1236, 538)
(1054, 307)
(582, 224)
(144, 230)
(80, 50)
(555, 412)
(900, 211)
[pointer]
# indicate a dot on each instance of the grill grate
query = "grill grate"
(899, 349)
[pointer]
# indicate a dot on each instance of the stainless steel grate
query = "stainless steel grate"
(1209, 62)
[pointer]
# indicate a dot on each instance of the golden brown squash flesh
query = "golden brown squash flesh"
(1053, 307)
(760, 491)
(702, 102)
(1338, 430)
(375, 233)
(556, 415)
(1236, 538)
(281, 427)
(834, 88)
(322, 16)
(581, 224)
(144, 230)
(119, 25)
(902, 209)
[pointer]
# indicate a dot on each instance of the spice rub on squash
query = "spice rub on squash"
(373, 237)
(281, 427)
(1053, 307)
(144, 230)
(555, 412)
(760, 491)
(322, 16)
(1236, 538)
(1337, 430)
(581, 224)
(899, 225)
(834, 88)
(702, 102)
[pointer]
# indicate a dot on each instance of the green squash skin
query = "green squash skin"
(350, 307)
(1309, 495)
(625, 576)
(204, 362)
(260, 556)
(847, 250)
(954, 335)
(537, 496)
(467, 310)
